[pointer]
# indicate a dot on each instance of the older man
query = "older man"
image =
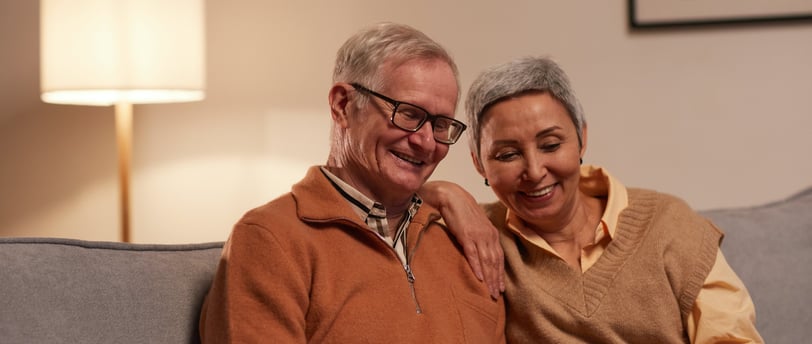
(352, 254)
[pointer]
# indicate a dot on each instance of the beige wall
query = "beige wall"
(718, 116)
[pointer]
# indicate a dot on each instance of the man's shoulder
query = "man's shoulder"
(279, 210)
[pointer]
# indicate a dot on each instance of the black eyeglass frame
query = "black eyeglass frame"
(429, 117)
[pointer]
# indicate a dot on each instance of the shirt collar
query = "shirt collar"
(597, 182)
(373, 213)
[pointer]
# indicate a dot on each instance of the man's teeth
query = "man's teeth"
(403, 157)
(541, 192)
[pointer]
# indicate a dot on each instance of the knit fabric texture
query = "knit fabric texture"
(639, 291)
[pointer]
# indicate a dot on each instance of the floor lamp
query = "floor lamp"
(122, 52)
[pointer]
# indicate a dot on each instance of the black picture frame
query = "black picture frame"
(728, 13)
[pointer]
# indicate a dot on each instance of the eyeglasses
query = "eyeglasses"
(410, 117)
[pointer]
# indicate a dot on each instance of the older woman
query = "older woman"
(587, 259)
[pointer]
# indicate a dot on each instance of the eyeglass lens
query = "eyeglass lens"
(411, 118)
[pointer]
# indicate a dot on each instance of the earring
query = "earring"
(582, 161)
(486, 182)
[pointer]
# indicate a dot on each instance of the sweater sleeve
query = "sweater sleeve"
(259, 293)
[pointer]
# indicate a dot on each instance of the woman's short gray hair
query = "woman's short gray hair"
(514, 78)
(360, 58)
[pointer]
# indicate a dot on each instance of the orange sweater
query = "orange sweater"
(305, 268)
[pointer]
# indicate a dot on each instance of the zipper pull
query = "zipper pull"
(410, 278)
(409, 274)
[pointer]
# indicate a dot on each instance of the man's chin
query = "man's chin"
(408, 186)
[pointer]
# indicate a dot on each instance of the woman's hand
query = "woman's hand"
(473, 230)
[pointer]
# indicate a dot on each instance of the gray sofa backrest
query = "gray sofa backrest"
(71, 291)
(770, 248)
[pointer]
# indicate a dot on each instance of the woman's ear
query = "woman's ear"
(478, 164)
(583, 141)
(339, 99)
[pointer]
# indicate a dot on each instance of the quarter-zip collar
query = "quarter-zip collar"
(322, 207)
(375, 215)
(333, 206)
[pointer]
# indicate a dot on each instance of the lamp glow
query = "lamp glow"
(122, 52)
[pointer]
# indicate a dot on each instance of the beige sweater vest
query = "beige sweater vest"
(639, 291)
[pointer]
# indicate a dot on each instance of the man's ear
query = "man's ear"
(339, 98)
(478, 164)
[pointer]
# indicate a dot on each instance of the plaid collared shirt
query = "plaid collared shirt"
(374, 214)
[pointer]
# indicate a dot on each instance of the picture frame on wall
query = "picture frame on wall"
(676, 13)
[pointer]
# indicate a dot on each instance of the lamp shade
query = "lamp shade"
(102, 52)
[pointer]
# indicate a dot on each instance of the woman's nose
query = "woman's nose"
(534, 169)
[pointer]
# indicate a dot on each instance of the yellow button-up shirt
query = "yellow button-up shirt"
(723, 311)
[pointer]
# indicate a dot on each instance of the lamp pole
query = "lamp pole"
(124, 113)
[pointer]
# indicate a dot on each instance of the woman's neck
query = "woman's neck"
(570, 234)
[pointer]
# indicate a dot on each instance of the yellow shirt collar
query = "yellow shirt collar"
(596, 182)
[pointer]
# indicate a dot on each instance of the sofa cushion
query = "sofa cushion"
(71, 291)
(770, 248)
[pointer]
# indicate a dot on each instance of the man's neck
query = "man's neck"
(395, 206)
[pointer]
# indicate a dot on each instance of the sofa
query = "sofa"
(72, 291)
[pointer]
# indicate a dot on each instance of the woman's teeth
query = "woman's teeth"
(541, 192)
